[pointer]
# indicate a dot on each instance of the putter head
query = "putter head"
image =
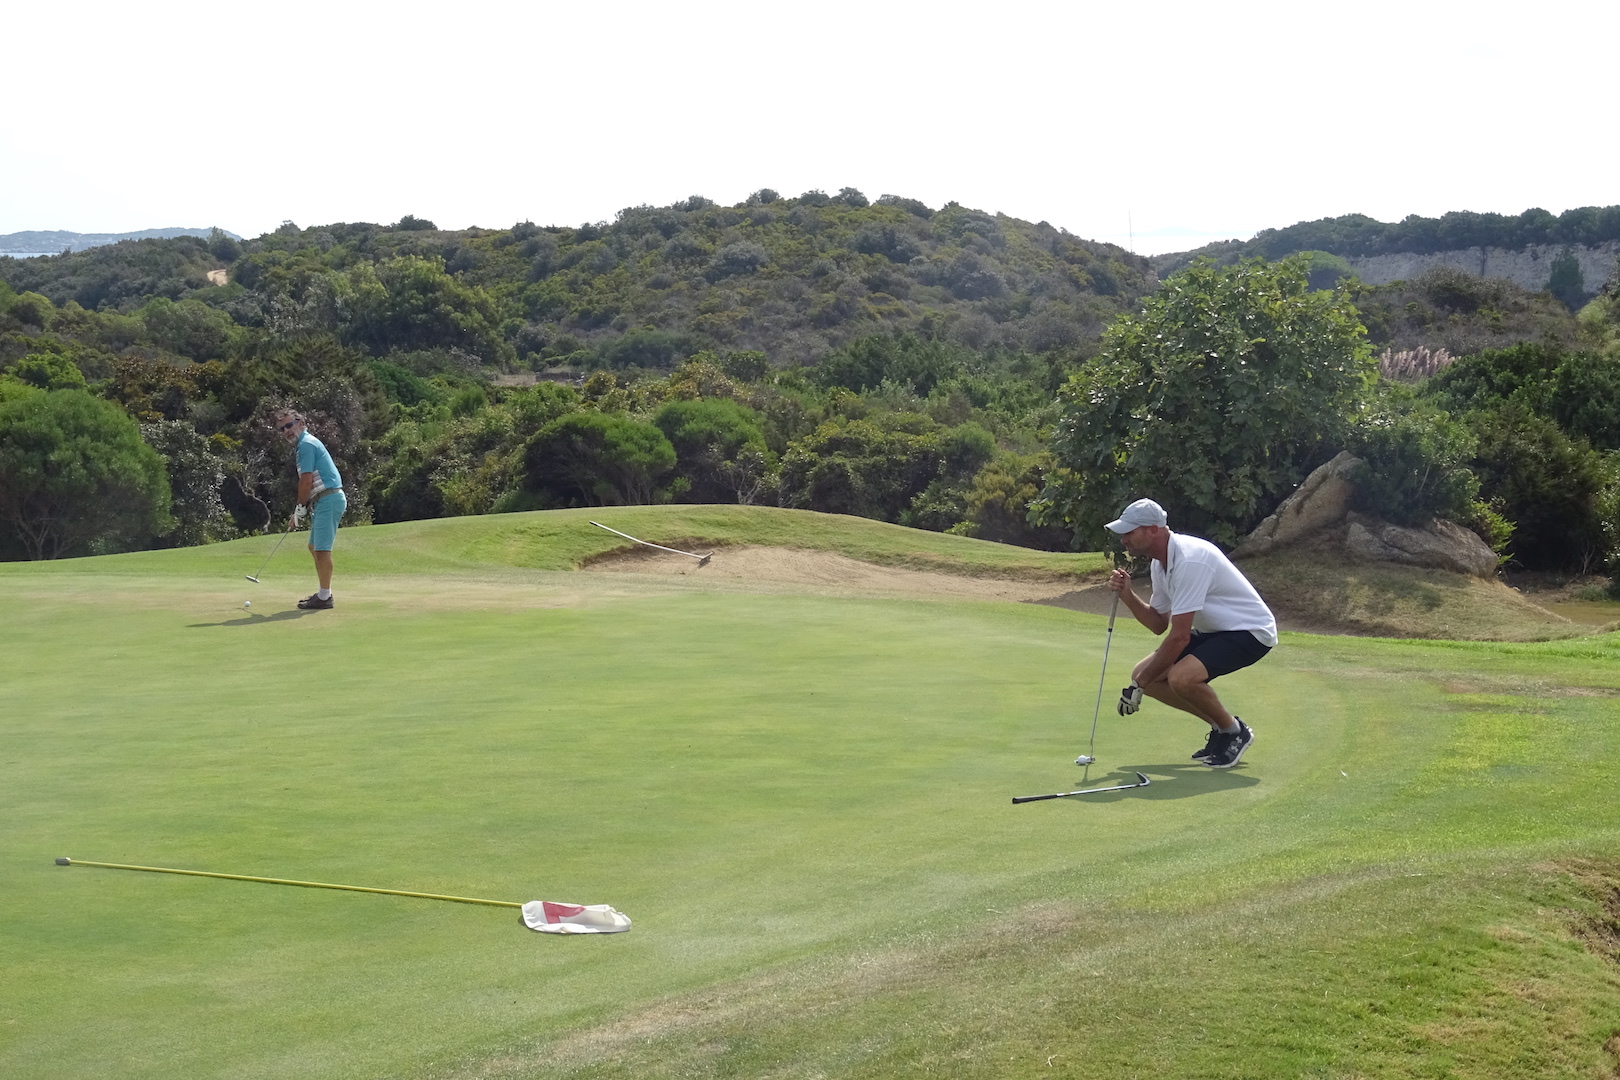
(251, 578)
(1085, 759)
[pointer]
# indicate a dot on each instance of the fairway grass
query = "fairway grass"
(803, 802)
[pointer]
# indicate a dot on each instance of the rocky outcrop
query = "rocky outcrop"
(1441, 546)
(1530, 267)
(1319, 510)
(1320, 502)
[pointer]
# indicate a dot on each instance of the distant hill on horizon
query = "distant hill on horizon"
(1524, 248)
(53, 241)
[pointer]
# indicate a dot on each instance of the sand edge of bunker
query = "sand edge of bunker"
(1309, 594)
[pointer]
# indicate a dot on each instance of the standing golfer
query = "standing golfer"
(1217, 624)
(320, 494)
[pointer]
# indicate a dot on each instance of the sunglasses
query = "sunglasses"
(287, 425)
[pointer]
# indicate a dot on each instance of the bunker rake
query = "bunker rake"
(703, 560)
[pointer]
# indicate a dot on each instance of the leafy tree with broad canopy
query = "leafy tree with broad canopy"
(594, 459)
(1216, 400)
(711, 439)
(75, 477)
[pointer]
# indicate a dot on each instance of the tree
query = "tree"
(411, 303)
(868, 468)
(595, 459)
(196, 475)
(716, 442)
(1546, 484)
(1414, 462)
(1217, 399)
(190, 328)
(49, 367)
(997, 503)
(1565, 280)
(918, 363)
(75, 477)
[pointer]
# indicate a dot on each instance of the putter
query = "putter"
(1141, 781)
(254, 577)
(1089, 758)
(703, 560)
(542, 915)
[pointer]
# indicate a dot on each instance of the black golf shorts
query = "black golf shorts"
(1225, 651)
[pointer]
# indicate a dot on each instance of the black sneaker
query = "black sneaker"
(313, 602)
(1229, 747)
(1209, 745)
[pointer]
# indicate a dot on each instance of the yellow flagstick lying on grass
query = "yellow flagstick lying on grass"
(544, 915)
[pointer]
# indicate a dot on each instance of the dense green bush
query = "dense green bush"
(719, 448)
(866, 363)
(1580, 391)
(1415, 461)
(1543, 482)
(594, 459)
(869, 468)
(996, 504)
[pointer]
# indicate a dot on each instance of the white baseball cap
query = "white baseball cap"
(1139, 513)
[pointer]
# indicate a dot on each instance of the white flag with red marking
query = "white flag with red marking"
(549, 917)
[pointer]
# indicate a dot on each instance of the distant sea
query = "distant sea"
(25, 254)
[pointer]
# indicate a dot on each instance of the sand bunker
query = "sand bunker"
(824, 571)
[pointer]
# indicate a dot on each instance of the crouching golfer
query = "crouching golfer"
(1217, 624)
(320, 494)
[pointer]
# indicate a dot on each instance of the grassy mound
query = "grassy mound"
(803, 801)
(565, 540)
(1323, 591)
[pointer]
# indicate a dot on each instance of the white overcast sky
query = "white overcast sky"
(1174, 122)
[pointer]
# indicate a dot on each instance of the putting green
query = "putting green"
(803, 801)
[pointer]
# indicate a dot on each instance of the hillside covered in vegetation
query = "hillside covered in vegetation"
(947, 369)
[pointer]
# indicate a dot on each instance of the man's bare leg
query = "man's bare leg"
(1186, 687)
(323, 568)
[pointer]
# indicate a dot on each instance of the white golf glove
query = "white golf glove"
(1130, 699)
(300, 512)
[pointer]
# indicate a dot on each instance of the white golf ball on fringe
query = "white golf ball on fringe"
(247, 603)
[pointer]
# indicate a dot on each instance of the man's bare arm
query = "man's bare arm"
(1169, 650)
(1143, 612)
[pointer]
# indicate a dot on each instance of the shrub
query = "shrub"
(915, 207)
(710, 437)
(594, 459)
(997, 503)
(866, 363)
(742, 257)
(1546, 484)
(1414, 463)
(645, 349)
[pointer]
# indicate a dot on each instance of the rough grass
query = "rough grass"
(564, 540)
(803, 801)
(1322, 591)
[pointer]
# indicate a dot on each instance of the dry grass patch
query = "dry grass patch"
(1318, 591)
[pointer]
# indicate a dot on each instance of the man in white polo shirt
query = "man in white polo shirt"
(1217, 624)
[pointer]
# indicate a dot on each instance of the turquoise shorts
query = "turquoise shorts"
(323, 520)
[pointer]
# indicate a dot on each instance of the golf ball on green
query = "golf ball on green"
(247, 603)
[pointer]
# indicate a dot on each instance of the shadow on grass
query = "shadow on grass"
(1169, 782)
(255, 619)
